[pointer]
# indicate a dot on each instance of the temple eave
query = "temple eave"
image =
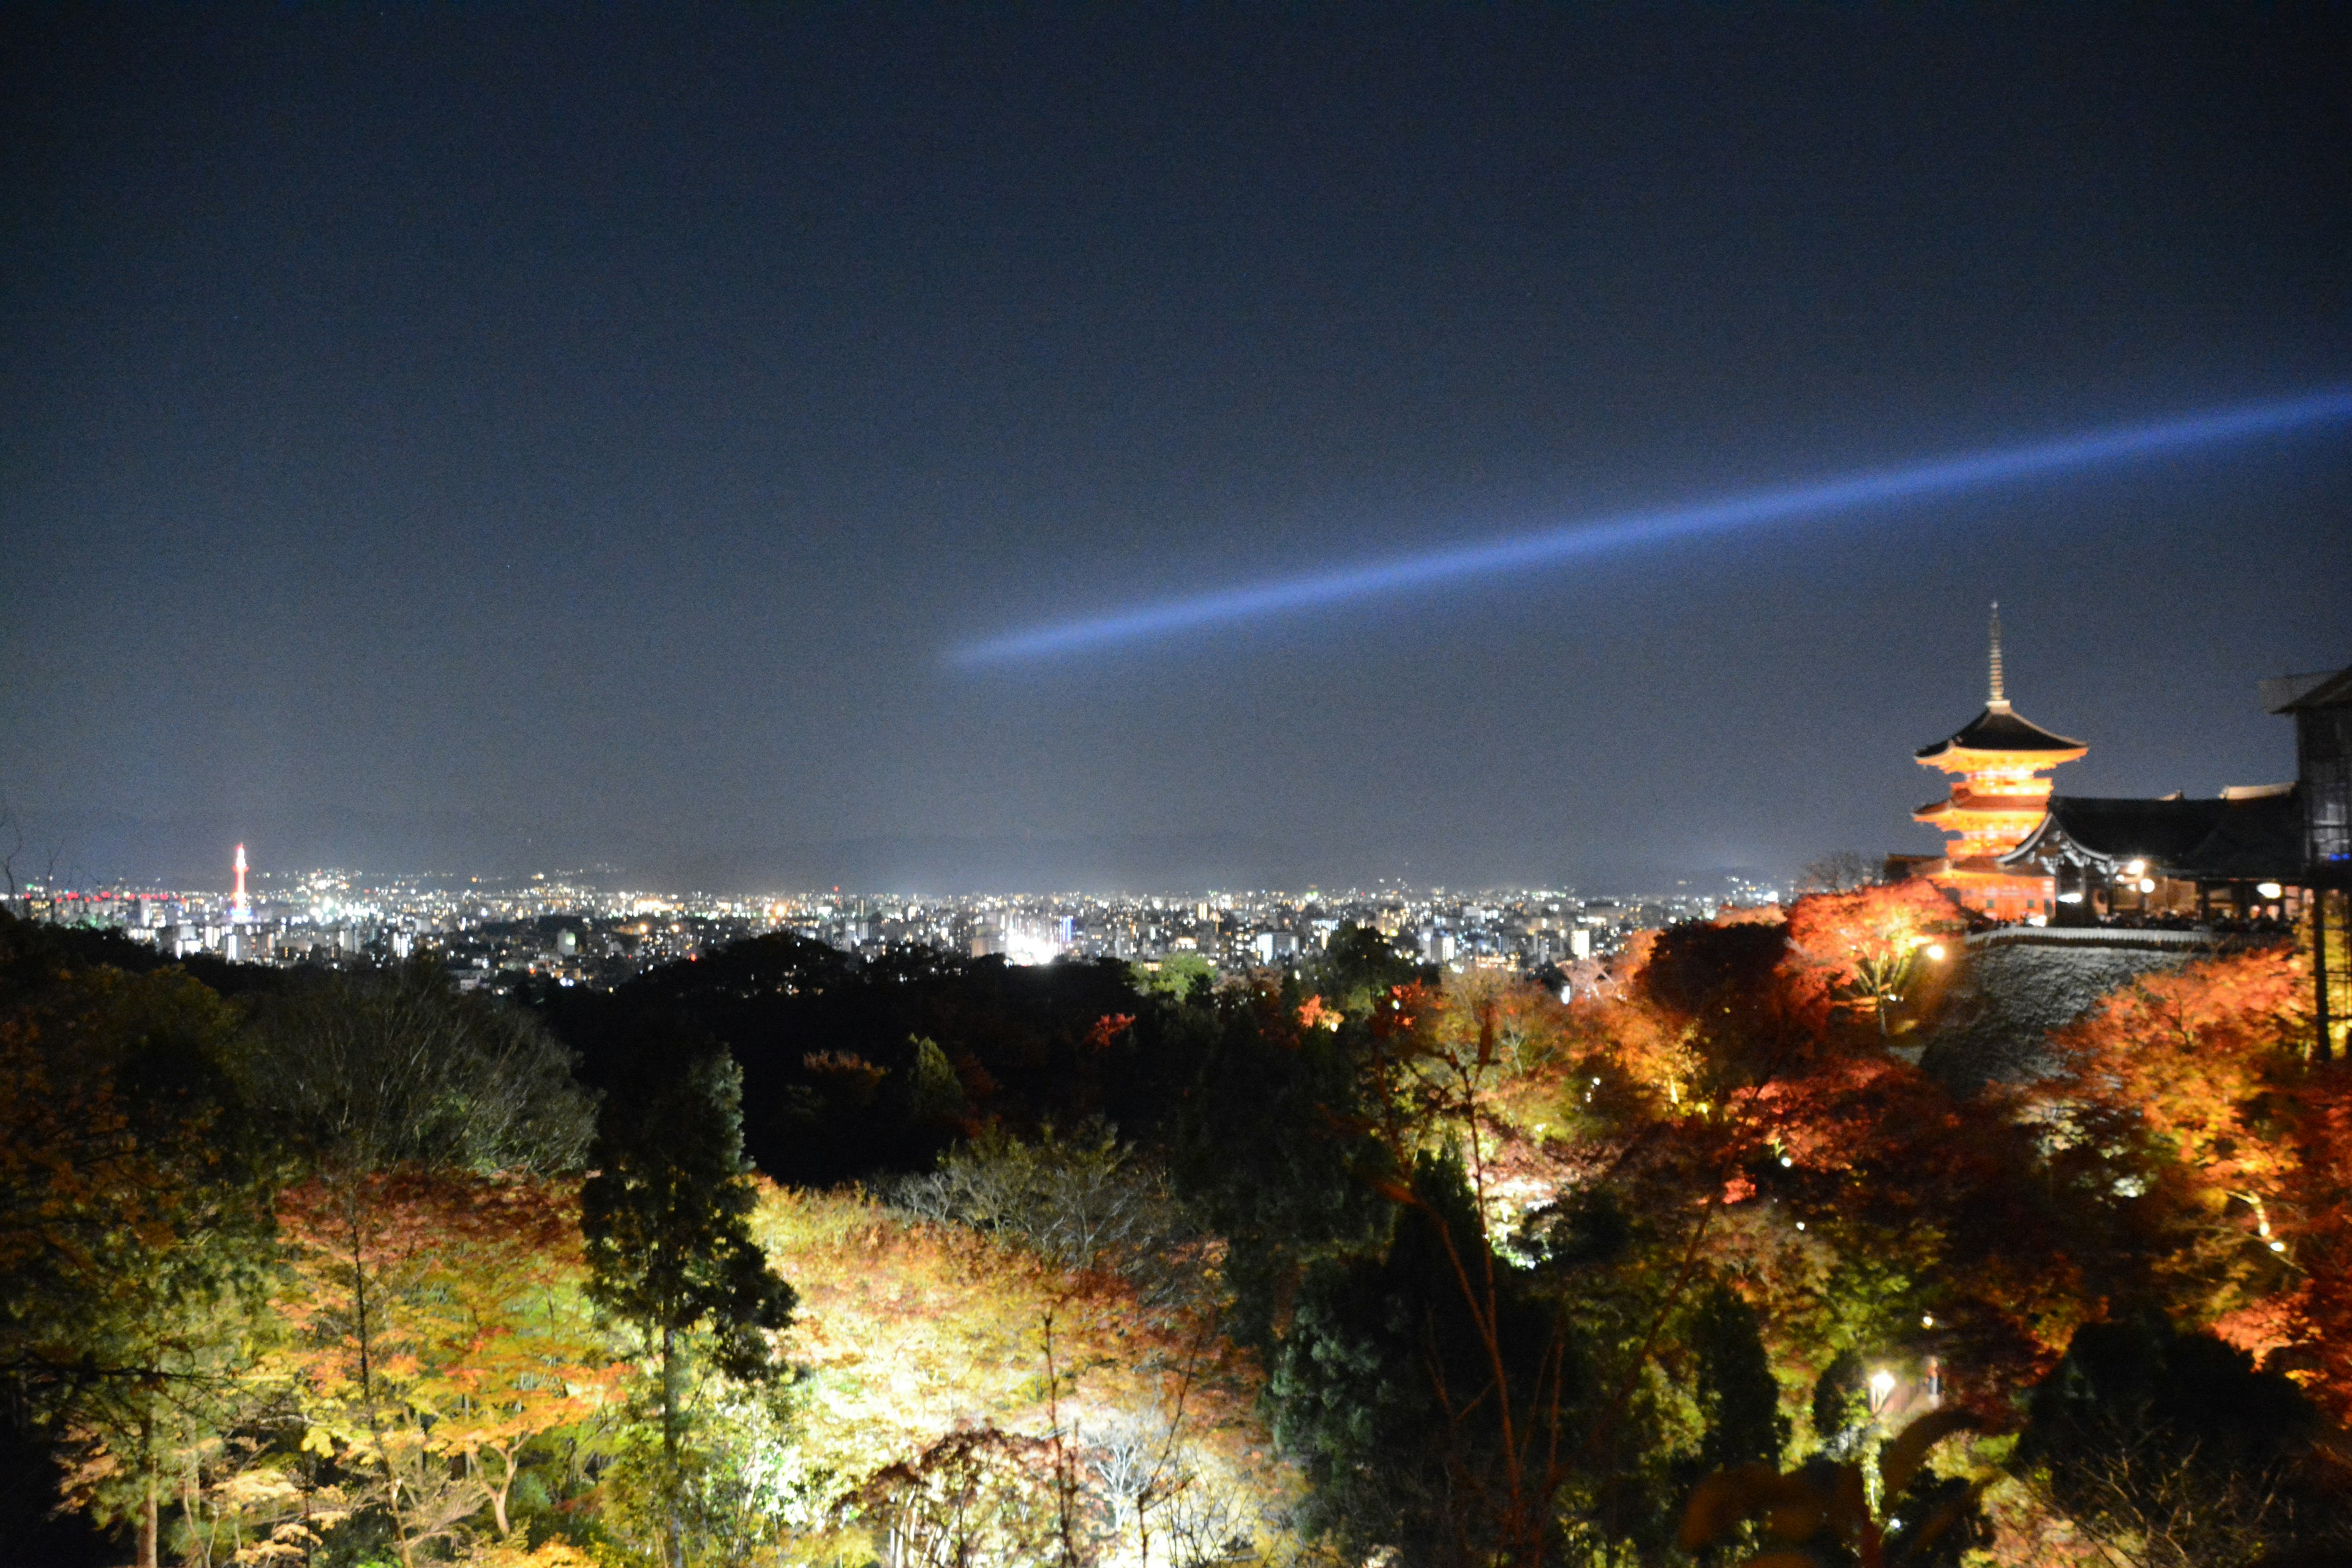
(1967, 759)
(1982, 868)
(2031, 806)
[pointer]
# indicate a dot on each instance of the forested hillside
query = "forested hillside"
(778, 1256)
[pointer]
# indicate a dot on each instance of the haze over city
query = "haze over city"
(485, 442)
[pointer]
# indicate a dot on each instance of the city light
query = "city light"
(1601, 536)
(499, 933)
(1028, 945)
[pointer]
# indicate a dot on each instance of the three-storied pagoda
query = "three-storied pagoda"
(1998, 796)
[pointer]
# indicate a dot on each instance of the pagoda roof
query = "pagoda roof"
(2246, 838)
(1987, 805)
(1999, 729)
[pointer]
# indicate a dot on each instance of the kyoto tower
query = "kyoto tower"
(239, 912)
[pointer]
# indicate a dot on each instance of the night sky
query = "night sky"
(502, 439)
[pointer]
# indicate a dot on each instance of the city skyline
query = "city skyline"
(520, 935)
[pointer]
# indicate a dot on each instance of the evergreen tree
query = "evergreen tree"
(669, 1245)
(1431, 1389)
(1736, 1390)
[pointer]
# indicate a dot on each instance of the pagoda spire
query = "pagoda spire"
(2000, 689)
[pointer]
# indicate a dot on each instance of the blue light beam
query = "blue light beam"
(1883, 486)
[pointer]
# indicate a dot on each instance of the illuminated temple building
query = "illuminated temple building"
(2262, 855)
(1999, 794)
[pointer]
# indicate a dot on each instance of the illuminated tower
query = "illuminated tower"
(239, 912)
(1998, 796)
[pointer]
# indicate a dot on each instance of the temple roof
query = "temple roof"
(2248, 838)
(1985, 806)
(2301, 693)
(1998, 729)
(2257, 839)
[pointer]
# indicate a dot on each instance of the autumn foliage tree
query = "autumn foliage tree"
(439, 1326)
(2199, 1086)
(133, 1223)
(964, 1392)
(1428, 1265)
(1863, 950)
(1719, 1144)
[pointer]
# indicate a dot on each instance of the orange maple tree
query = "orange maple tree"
(2317, 1202)
(2204, 1074)
(1862, 951)
(437, 1317)
(1852, 1199)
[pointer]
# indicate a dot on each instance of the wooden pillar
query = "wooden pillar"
(2318, 896)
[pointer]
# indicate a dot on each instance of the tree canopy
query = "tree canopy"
(783, 1257)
